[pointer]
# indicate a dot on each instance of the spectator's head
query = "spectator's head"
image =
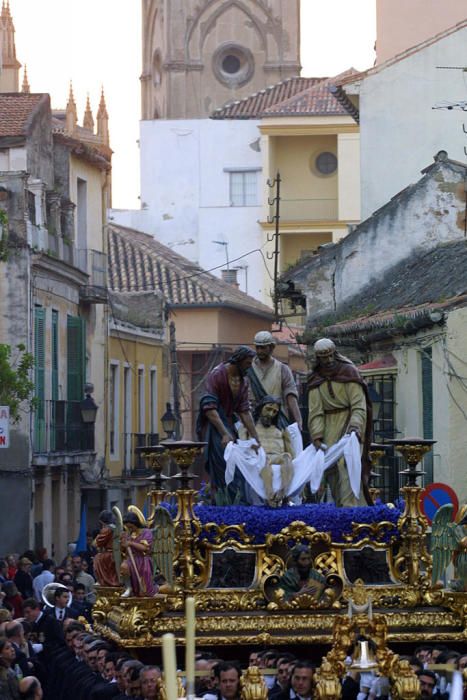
(302, 679)
(5, 615)
(122, 659)
(79, 592)
(423, 653)
(130, 671)
(253, 658)
(78, 645)
(462, 662)
(61, 598)
(25, 564)
(41, 554)
(84, 566)
(228, 674)
(7, 652)
(270, 658)
(102, 653)
(427, 683)
(11, 560)
(48, 565)
(109, 667)
(9, 588)
(30, 688)
(90, 652)
(14, 632)
(59, 571)
(3, 568)
(284, 671)
(77, 564)
(71, 632)
(149, 677)
(31, 610)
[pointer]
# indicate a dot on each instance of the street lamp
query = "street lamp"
(169, 422)
(88, 408)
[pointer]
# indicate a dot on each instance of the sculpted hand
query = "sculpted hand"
(225, 440)
(354, 430)
(256, 446)
(319, 445)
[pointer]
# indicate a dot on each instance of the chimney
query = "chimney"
(230, 276)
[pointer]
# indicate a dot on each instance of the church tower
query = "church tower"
(9, 65)
(200, 54)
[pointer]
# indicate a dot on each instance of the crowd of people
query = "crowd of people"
(46, 652)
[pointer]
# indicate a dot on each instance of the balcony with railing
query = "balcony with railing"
(94, 263)
(59, 427)
(311, 209)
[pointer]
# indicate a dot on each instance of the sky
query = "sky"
(97, 43)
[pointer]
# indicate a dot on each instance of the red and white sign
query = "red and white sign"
(4, 426)
(436, 495)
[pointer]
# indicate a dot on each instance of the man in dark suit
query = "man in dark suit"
(61, 610)
(46, 629)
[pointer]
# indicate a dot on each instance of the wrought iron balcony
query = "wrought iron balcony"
(58, 427)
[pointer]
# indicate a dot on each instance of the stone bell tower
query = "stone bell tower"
(200, 54)
(9, 64)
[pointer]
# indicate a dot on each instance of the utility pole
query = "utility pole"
(175, 378)
(275, 218)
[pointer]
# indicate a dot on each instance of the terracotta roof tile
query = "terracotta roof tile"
(16, 110)
(316, 99)
(138, 262)
(252, 107)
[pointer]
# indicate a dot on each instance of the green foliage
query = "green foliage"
(16, 386)
(3, 235)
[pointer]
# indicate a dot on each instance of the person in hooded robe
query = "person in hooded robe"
(339, 404)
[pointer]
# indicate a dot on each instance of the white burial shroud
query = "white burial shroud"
(309, 465)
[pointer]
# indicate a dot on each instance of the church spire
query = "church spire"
(25, 86)
(103, 121)
(71, 113)
(9, 74)
(88, 121)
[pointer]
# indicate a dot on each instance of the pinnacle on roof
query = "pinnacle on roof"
(102, 111)
(103, 121)
(71, 113)
(88, 121)
(25, 86)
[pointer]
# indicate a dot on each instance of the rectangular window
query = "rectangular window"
(127, 418)
(141, 401)
(113, 408)
(153, 400)
(243, 188)
(427, 408)
(82, 212)
(382, 394)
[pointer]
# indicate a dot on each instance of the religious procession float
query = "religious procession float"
(284, 572)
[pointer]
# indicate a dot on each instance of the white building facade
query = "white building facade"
(405, 114)
(201, 194)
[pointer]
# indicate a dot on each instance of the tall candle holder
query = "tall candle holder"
(412, 524)
(377, 450)
(158, 459)
(184, 452)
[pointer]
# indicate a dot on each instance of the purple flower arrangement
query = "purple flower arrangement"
(258, 521)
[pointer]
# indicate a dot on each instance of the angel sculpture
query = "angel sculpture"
(163, 546)
(108, 558)
(148, 547)
(449, 543)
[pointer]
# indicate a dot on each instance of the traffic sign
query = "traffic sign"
(436, 495)
(4, 426)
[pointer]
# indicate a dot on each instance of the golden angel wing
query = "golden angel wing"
(163, 543)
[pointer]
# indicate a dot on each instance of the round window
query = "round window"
(233, 65)
(326, 163)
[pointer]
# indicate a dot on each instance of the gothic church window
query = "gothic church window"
(233, 65)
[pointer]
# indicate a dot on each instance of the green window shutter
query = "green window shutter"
(39, 379)
(54, 355)
(75, 358)
(39, 352)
